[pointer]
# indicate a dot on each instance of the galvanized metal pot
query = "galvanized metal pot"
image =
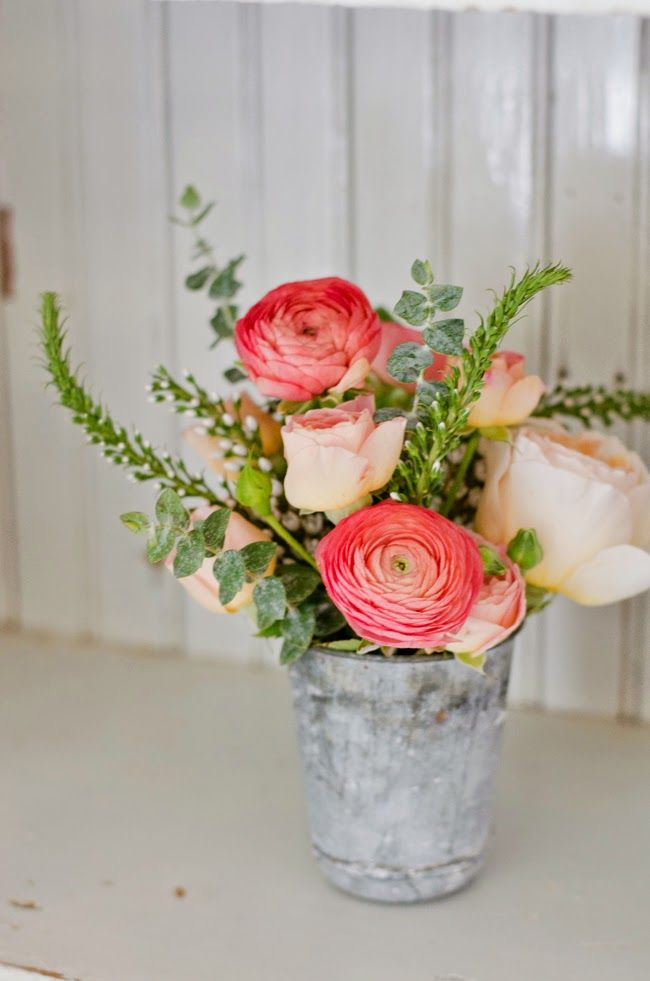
(399, 758)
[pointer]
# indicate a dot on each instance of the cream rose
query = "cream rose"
(335, 457)
(588, 499)
(508, 395)
(202, 586)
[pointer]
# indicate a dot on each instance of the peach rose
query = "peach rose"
(394, 334)
(401, 575)
(508, 395)
(588, 499)
(335, 457)
(499, 608)
(304, 338)
(210, 448)
(202, 586)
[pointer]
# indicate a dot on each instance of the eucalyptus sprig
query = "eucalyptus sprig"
(125, 448)
(442, 409)
(594, 403)
(219, 281)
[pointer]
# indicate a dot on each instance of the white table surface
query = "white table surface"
(124, 779)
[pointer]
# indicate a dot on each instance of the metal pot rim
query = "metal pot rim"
(440, 658)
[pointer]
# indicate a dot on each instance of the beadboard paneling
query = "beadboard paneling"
(335, 141)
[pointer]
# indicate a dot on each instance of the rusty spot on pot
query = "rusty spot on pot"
(441, 716)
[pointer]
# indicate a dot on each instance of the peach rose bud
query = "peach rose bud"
(508, 396)
(202, 586)
(336, 457)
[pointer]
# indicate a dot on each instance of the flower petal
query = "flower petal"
(325, 478)
(382, 449)
(614, 574)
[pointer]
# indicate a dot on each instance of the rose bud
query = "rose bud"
(508, 395)
(588, 499)
(401, 575)
(202, 586)
(304, 338)
(337, 456)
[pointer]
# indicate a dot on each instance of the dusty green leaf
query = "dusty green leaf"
(445, 297)
(300, 581)
(230, 572)
(190, 552)
(421, 272)
(198, 279)
(270, 601)
(214, 528)
(446, 336)
(412, 307)
(160, 542)
(170, 510)
(408, 360)
(298, 633)
(136, 521)
(257, 556)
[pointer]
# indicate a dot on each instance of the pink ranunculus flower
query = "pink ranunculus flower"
(337, 456)
(508, 395)
(401, 575)
(393, 334)
(304, 338)
(202, 586)
(588, 499)
(499, 609)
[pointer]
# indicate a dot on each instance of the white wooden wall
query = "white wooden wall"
(337, 141)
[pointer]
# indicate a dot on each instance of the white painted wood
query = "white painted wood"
(595, 87)
(37, 184)
(9, 594)
(494, 6)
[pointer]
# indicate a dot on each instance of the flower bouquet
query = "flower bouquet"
(398, 501)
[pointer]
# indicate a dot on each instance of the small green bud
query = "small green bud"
(492, 564)
(525, 549)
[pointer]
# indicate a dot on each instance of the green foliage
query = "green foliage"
(214, 529)
(298, 631)
(136, 521)
(408, 361)
(525, 549)
(160, 542)
(126, 449)
(220, 281)
(412, 307)
(270, 601)
(446, 297)
(253, 490)
(190, 552)
(230, 572)
(492, 564)
(441, 424)
(445, 336)
(170, 510)
(257, 556)
(299, 581)
(421, 272)
(590, 404)
(537, 599)
(474, 661)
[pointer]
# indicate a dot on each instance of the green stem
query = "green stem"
(295, 546)
(468, 456)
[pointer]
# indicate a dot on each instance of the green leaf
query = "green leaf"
(203, 213)
(230, 572)
(492, 564)
(190, 198)
(214, 529)
(253, 490)
(225, 284)
(525, 549)
(190, 552)
(160, 542)
(475, 661)
(427, 391)
(270, 601)
(329, 620)
(136, 521)
(354, 644)
(412, 307)
(257, 556)
(408, 360)
(383, 415)
(170, 510)
(537, 598)
(446, 336)
(234, 374)
(445, 297)
(300, 581)
(384, 315)
(298, 633)
(198, 279)
(222, 324)
(500, 434)
(421, 272)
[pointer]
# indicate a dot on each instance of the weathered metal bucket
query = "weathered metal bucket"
(399, 758)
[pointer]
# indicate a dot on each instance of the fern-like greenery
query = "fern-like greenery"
(595, 403)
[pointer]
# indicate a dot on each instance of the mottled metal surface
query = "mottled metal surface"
(399, 757)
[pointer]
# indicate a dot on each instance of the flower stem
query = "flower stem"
(468, 456)
(294, 545)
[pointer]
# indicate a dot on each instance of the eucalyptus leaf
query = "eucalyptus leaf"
(253, 490)
(223, 321)
(298, 633)
(170, 510)
(446, 336)
(225, 284)
(384, 415)
(190, 198)
(329, 620)
(408, 360)
(428, 391)
(198, 279)
(257, 556)
(270, 601)
(230, 572)
(412, 307)
(190, 552)
(300, 581)
(421, 272)
(234, 374)
(136, 521)
(160, 542)
(445, 297)
(214, 528)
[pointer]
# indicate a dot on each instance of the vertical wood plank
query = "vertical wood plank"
(216, 139)
(37, 182)
(497, 129)
(126, 299)
(595, 88)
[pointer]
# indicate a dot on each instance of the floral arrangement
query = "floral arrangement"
(402, 486)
